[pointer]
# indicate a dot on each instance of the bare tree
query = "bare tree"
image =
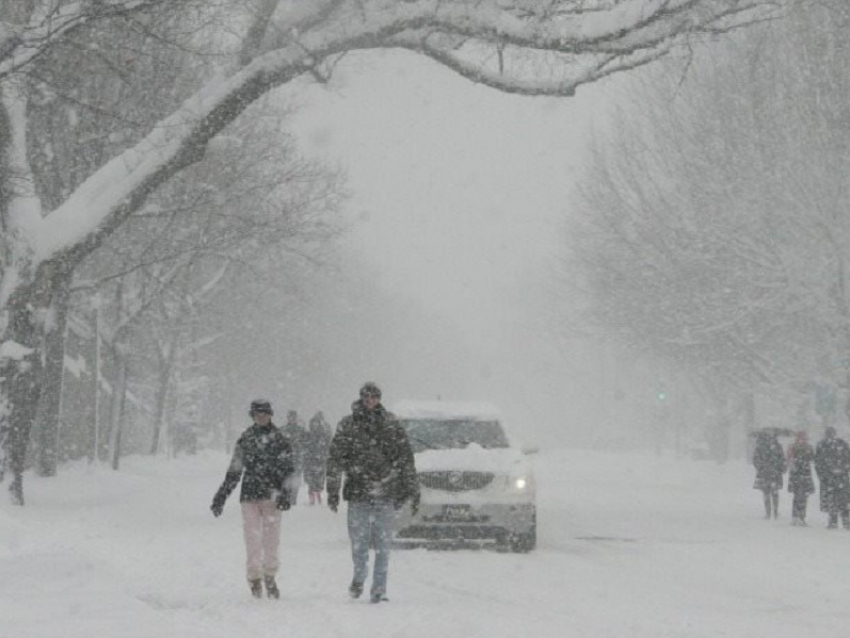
(527, 47)
(193, 243)
(713, 228)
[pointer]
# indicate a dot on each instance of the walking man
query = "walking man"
(262, 459)
(371, 449)
(832, 465)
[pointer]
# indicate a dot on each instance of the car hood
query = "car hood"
(473, 458)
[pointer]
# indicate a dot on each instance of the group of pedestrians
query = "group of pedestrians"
(369, 458)
(830, 460)
(309, 454)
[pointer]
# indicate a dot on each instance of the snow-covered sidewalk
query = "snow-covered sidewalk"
(630, 545)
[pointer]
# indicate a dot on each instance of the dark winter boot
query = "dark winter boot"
(256, 586)
(833, 521)
(378, 598)
(271, 588)
(355, 590)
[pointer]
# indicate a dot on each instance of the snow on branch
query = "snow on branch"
(620, 26)
(108, 196)
(564, 49)
(564, 74)
(14, 350)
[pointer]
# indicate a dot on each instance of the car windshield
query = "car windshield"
(446, 435)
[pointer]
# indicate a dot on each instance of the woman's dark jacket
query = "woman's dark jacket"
(769, 461)
(371, 448)
(800, 458)
(262, 458)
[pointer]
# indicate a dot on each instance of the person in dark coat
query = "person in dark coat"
(769, 461)
(373, 452)
(316, 446)
(297, 435)
(800, 482)
(832, 464)
(262, 460)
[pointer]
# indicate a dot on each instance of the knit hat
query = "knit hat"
(370, 387)
(260, 405)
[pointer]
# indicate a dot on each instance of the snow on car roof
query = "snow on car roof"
(446, 410)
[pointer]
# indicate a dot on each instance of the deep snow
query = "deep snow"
(630, 545)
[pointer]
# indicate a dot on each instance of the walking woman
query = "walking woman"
(769, 461)
(262, 460)
(801, 484)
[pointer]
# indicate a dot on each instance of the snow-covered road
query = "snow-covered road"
(630, 545)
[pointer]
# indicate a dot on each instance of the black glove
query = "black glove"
(333, 502)
(218, 504)
(282, 502)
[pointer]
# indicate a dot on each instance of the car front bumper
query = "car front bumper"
(465, 524)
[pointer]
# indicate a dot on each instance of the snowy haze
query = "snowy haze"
(458, 199)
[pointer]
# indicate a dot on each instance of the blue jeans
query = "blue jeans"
(371, 523)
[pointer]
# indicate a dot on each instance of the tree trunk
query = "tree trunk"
(20, 374)
(26, 290)
(119, 399)
(46, 434)
(166, 363)
(94, 439)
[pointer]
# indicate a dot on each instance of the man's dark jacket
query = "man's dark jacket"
(262, 458)
(832, 464)
(371, 448)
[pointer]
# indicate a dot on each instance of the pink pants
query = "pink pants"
(261, 524)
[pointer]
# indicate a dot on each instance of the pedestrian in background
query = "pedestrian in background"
(317, 443)
(262, 460)
(832, 464)
(296, 434)
(769, 461)
(801, 484)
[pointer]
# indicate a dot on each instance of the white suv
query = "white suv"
(476, 488)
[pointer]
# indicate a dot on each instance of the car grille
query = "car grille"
(452, 532)
(455, 481)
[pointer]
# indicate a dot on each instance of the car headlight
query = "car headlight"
(523, 484)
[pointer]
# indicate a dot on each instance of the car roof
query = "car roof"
(446, 410)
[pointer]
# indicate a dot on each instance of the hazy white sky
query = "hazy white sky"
(460, 186)
(459, 193)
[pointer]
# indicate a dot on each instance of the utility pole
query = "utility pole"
(96, 304)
